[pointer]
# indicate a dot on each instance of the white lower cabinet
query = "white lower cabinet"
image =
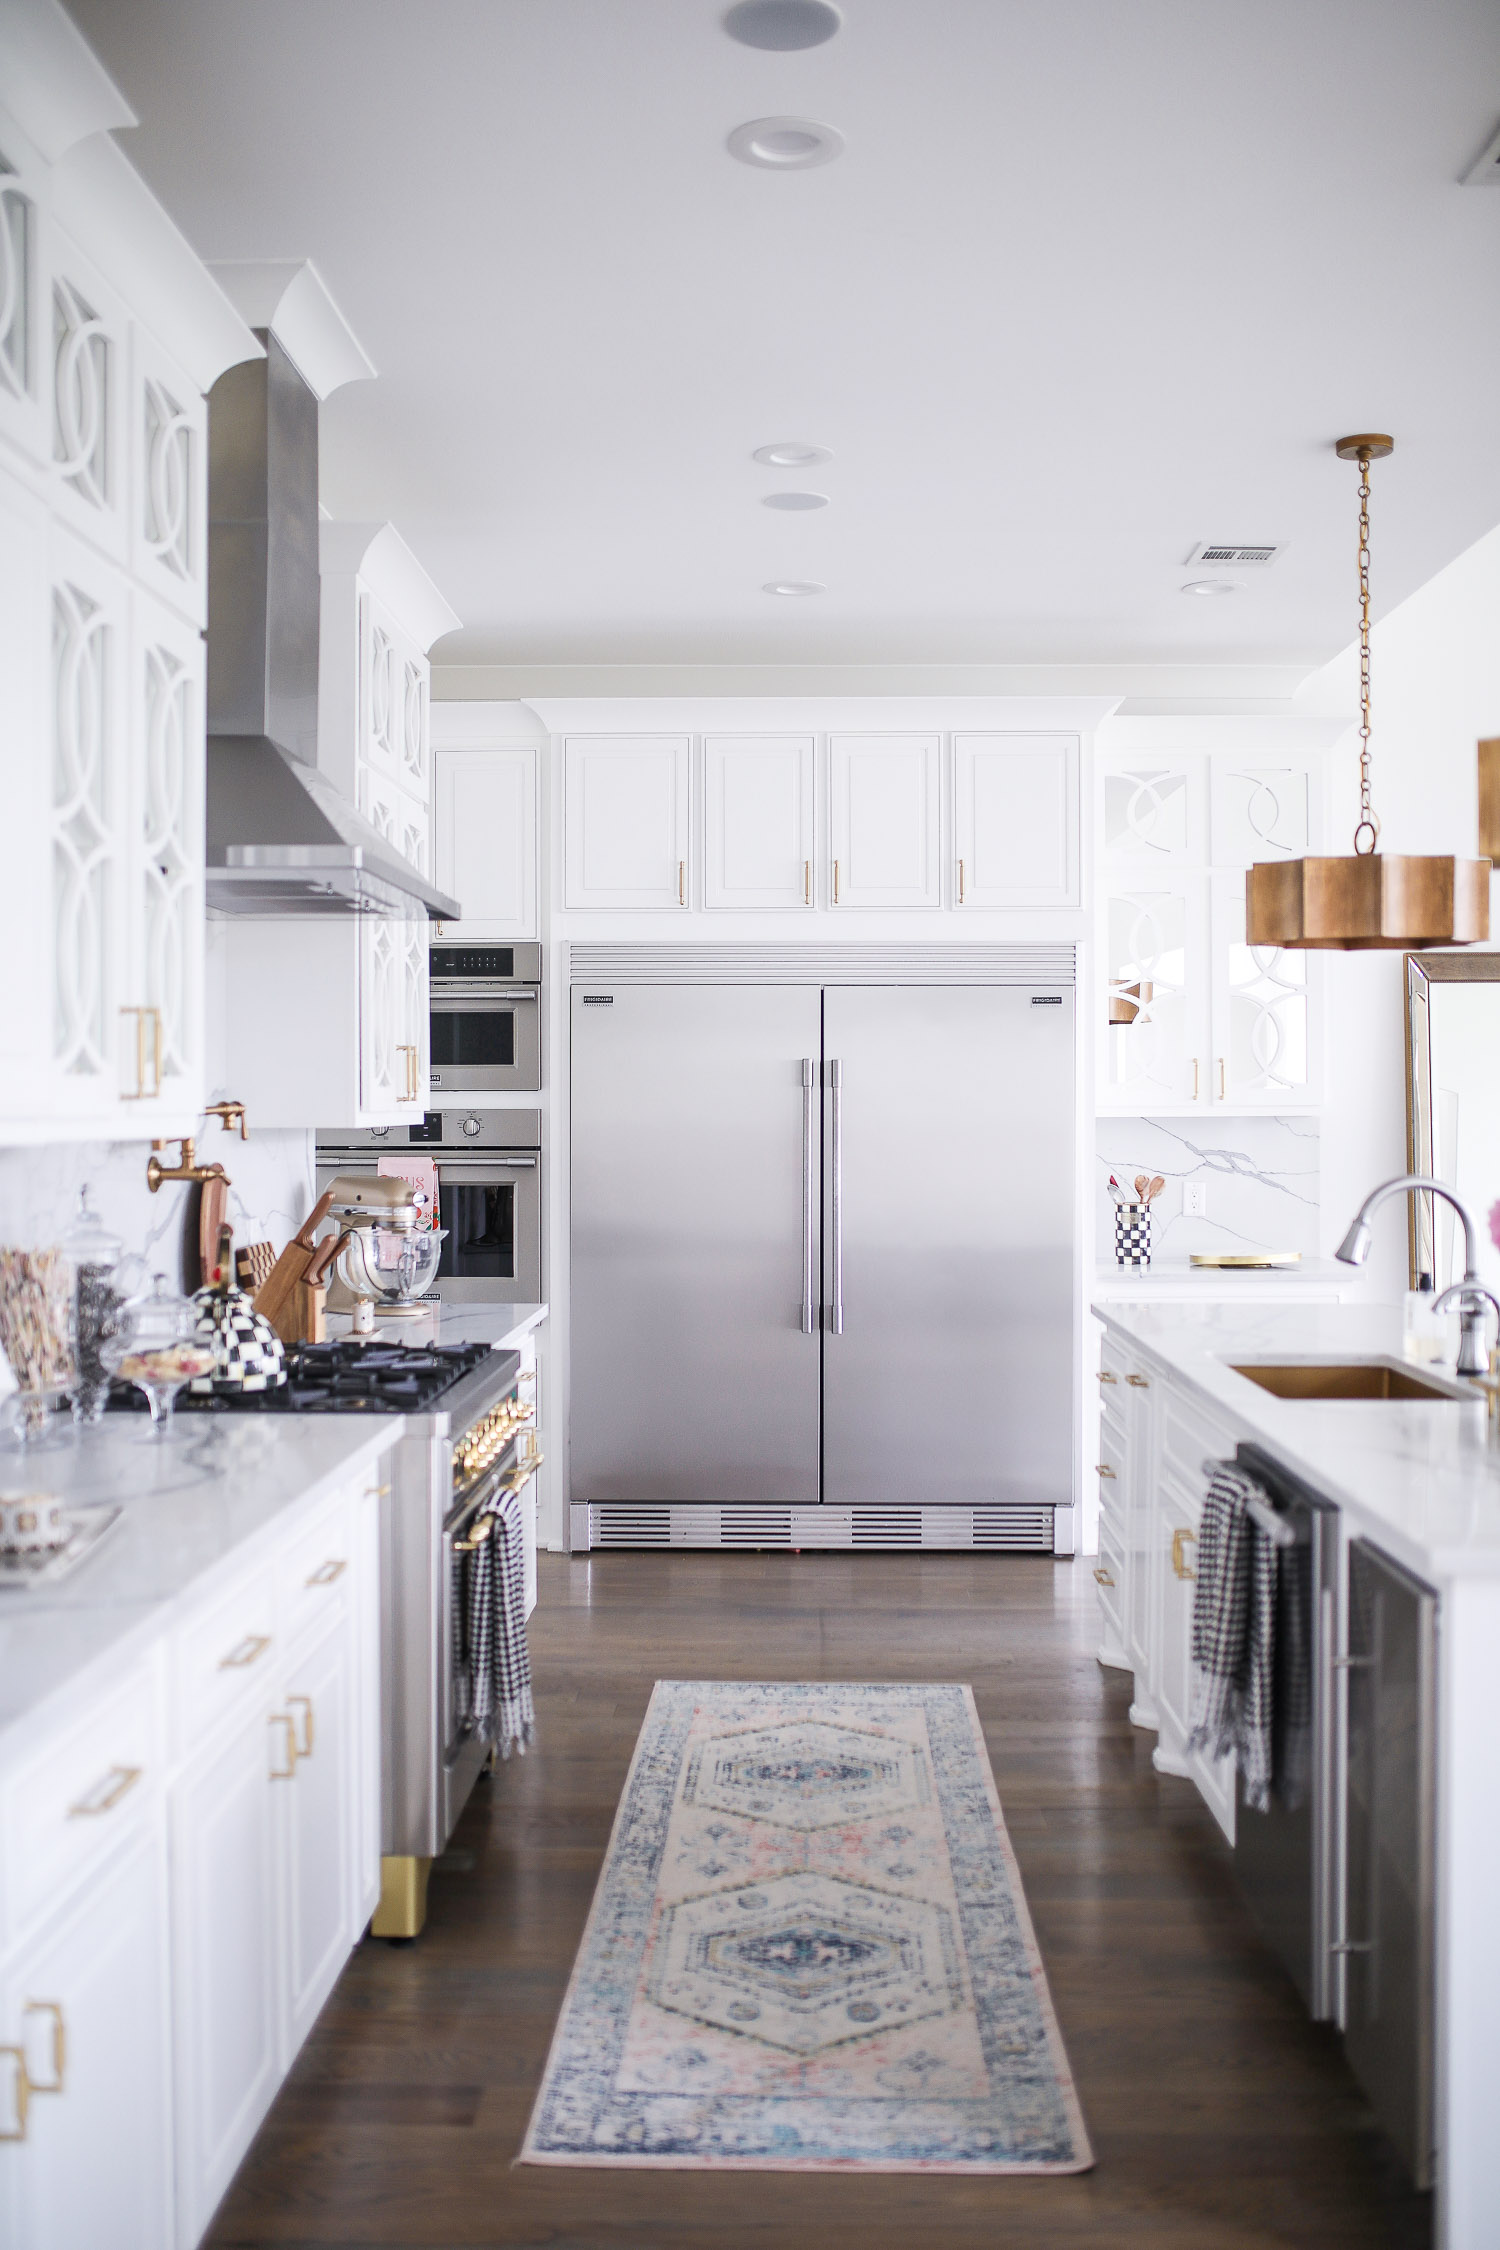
(156, 1985)
(1154, 1442)
(86, 2003)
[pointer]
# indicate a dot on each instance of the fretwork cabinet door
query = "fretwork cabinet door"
(625, 821)
(162, 1014)
(885, 808)
(1154, 1048)
(758, 821)
(1266, 1033)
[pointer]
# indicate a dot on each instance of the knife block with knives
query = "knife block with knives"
(292, 1296)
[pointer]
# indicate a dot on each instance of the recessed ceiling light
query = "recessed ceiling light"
(793, 586)
(790, 453)
(785, 144)
(795, 502)
(1211, 586)
(781, 26)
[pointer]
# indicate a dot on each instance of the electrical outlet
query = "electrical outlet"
(1194, 1199)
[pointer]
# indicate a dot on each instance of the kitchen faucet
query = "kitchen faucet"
(1470, 1294)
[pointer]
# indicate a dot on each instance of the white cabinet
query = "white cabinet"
(1190, 1017)
(393, 1018)
(485, 841)
(224, 1905)
(1015, 802)
(885, 810)
(625, 821)
(86, 2002)
(758, 808)
(318, 1813)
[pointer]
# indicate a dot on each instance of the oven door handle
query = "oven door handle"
(474, 1168)
(455, 996)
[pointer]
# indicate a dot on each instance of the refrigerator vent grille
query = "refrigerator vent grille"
(1009, 1527)
(822, 964)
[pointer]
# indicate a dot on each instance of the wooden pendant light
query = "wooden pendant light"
(1372, 899)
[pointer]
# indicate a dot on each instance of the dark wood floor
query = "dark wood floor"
(1220, 2117)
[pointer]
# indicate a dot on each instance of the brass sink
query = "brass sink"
(1356, 1378)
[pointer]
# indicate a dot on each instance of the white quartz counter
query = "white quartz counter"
(1165, 1275)
(502, 1327)
(208, 1493)
(1422, 1480)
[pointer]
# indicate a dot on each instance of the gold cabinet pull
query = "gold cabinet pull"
(143, 1016)
(1105, 1470)
(682, 882)
(410, 1069)
(1222, 1095)
(326, 1572)
(285, 1719)
(1139, 1382)
(835, 882)
(54, 2084)
(245, 1652)
(304, 1748)
(807, 882)
(1106, 1377)
(106, 1794)
(1179, 1541)
(22, 2098)
(1195, 1078)
(377, 1491)
(960, 882)
(1102, 1575)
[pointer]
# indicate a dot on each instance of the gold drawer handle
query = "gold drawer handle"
(376, 1491)
(54, 2085)
(303, 1749)
(1105, 1470)
(1179, 1541)
(284, 1719)
(22, 2096)
(326, 1572)
(1139, 1382)
(117, 1783)
(1103, 1577)
(1106, 1377)
(245, 1652)
(476, 1538)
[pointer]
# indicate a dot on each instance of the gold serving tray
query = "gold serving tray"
(1245, 1258)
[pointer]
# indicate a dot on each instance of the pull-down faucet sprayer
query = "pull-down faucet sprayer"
(1470, 1294)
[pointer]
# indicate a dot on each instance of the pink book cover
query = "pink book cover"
(422, 1173)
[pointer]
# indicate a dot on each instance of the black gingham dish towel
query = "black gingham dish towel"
(491, 1662)
(1234, 1632)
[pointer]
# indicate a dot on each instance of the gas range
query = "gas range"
(346, 1376)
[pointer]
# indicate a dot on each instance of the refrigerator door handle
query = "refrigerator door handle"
(836, 1311)
(809, 1163)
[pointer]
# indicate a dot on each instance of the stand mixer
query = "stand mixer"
(387, 1256)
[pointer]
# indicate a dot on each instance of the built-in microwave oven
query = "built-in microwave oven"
(486, 1019)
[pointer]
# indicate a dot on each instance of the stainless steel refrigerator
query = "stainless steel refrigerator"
(822, 1257)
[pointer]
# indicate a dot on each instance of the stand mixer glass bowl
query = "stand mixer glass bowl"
(391, 1267)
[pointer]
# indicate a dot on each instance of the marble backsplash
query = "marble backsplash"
(271, 1191)
(1259, 1174)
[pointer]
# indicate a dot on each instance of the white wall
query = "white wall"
(1435, 673)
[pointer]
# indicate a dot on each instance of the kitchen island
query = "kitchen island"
(1419, 1480)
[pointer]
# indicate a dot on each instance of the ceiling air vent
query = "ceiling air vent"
(1233, 558)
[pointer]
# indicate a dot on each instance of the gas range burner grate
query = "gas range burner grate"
(344, 1377)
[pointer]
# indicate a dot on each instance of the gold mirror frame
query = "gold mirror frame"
(1423, 970)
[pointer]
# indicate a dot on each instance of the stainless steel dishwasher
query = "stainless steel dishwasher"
(1285, 1858)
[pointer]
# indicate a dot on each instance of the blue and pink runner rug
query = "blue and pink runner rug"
(809, 1950)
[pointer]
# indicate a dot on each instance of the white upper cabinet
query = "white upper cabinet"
(25, 402)
(1154, 1027)
(885, 810)
(90, 362)
(758, 803)
(1260, 812)
(1152, 814)
(1266, 1041)
(626, 821)
(1016, 820)
(169, 496)
(485, 841)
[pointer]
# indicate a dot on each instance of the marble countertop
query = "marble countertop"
(1421, 1479)
(500, 1326)
(1175, 1272)
(212, 1490)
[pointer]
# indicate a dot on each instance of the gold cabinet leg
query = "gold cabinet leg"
(403, 1898)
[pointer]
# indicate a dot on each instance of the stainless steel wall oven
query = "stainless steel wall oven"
(489, 1166)
(486, 1019)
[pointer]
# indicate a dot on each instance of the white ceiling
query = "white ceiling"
(1092, 281)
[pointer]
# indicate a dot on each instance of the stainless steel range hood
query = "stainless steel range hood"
(281, 838)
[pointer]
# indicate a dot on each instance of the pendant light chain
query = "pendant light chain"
(1369, 827)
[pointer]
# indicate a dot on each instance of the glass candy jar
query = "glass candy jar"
(102, 1278)
(153, 1346)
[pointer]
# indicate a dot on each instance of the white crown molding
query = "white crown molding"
(1183, 687)
(377, 554)
(709, 714)
(486, 726)
(1244, 734)
(290, 297)
(56, 88)
(101, 201)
